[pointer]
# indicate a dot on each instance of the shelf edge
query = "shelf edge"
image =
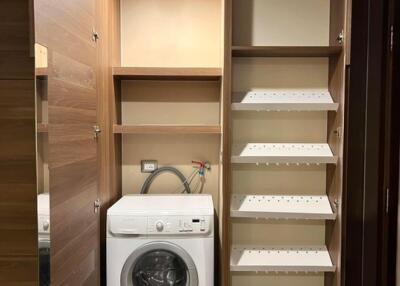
(166, 129)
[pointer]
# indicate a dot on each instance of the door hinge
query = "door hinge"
(97, 205)
(338, 132)
(391, 38)
(387, 200)
(340, 37)
(96, 131)
(95, 35)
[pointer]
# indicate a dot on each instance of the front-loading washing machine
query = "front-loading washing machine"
(43, 201)
(161, 240)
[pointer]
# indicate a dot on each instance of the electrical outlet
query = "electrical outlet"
(148, 166)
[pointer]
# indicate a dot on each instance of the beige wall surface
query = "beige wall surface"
(277, 127)
(170, 102)
(280, 73)
(173, 33)
(281, 23)
(169, 150)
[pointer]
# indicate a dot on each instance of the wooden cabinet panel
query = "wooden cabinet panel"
(15, 36)
(65, 28)
(18, 270)
(18, 219)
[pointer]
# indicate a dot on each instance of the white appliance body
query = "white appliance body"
(157, 238)
(44, 219)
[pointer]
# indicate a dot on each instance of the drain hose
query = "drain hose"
(159, 171)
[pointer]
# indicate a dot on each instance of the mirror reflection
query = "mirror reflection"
(42, 166)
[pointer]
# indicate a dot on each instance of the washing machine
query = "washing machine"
(161, 240)
(44, 238)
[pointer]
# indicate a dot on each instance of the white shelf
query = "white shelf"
(283, 153)
(281, 259)
(284, 100)
(286, 207)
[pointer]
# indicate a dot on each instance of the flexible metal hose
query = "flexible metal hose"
(156, 173)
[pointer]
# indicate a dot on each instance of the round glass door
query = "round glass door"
(160, 268)
(159, 264)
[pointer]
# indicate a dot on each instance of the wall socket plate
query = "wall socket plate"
(148, 166)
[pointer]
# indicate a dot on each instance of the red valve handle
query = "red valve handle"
(201, 164)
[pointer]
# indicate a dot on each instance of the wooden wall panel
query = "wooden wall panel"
(18, 218)
(224, 246)
(66, 29)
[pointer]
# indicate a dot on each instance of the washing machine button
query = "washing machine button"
(159, 226)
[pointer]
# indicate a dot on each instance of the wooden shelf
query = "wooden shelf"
(42, 128)
(284, 100)
(41, 73)
(138, 73)
(281, 207)
(283, 153)
(166, 129)
(281, 259)
(285, 51)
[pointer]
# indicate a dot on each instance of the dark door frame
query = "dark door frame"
(391, 148)
(371, 147)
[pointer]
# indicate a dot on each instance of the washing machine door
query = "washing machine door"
(159, 264)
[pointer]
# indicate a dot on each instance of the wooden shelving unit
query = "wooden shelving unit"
(170, 73)
(166, 129)
(285, 51)
(279, 63)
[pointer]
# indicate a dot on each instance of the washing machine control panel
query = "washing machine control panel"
(179, 225)
(43, 224)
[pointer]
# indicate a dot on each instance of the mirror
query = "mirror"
(42, 163)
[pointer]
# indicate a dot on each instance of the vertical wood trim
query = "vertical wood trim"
(110, 170)
(334, 183)
(18, 190)
(104, 169)
(102, 22)
(226, 145)
(115, 101)
(337, 20)
(349, 7)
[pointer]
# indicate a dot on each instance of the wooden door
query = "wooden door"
(363, 163)
(66, 28)
(18, 217)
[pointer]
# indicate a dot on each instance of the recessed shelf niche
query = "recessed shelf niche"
(42, 127)
(286, 87)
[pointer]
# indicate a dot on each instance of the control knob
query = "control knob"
(46, 225)
(159, 226)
